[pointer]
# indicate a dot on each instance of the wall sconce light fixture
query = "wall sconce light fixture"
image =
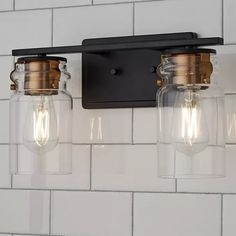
(190, 116)
(41, 113)
(123, 72)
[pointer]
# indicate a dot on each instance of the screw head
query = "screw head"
(113, 71)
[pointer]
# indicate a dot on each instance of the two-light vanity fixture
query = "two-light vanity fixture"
(118, 73)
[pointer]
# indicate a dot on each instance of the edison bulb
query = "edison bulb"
(40, 129)
(190, 133)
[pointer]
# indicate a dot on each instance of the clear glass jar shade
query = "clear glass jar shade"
(191, 145)
(40, 126)
(190, 122)
(27, 157)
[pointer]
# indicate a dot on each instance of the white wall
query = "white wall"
(114, 189)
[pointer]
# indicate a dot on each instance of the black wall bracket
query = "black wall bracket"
(120, 72)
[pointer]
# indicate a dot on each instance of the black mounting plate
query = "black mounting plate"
(119, 79)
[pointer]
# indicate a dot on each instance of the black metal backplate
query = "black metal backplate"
(119, 79)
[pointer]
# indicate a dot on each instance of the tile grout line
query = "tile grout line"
(52, 19)
(90, 169)
(115, 191)
(222, 20)
(9, 233)
(132, 126)
(11, 181)
(50, 212)
(132, 215)
(49, 8)
(221, 212)
(133, 19)
(120, 3)
(77, 6)
(14, 5)
(176, 185)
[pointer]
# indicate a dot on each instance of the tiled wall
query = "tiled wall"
(114, 189)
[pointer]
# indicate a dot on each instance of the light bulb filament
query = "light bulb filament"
(41, 125)
(190, 125)
(190, 133)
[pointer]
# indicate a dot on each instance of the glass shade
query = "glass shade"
(190, 136)
(40, 125)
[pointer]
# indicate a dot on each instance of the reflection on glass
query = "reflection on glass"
(230, 104)
(96, 134)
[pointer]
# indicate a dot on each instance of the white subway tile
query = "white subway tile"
(4, 122)
(24, 211)
(5, 177)
(91, 213)
(127, 167)
(25, 29)
(226, 63)
(6, 66)
(203, 17)
(176, 214)
(218, 185)
(229, 19)
(72, 25)
(36, 4)
(79, 179)
(101, 125)
(145, 125)
(229, 215)
(6, 5)
(74, 67)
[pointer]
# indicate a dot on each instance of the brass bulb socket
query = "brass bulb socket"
(188, 68)
(42, 77)
(39, 75)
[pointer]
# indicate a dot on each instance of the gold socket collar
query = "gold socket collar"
(187, 67)
(41, 74)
